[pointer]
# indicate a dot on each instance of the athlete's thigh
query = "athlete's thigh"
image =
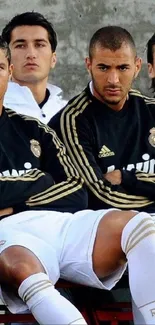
(76, 257)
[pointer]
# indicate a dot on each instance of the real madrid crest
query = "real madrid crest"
(151, 137)
(35, 148)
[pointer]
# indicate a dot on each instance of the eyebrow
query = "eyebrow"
(22, 40)
(108, 66)
(103, 65)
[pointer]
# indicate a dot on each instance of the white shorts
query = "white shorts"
(63, 242)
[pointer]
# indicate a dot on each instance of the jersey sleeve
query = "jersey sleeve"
(78, 138)
(15, 190)
(139, 183)
(68, 192)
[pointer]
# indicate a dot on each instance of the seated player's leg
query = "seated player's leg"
(133, 238)
(95, 237)
(108, 255)
(138, 243)
(22, 271)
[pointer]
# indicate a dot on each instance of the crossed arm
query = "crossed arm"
(56, 186)
(113, 188)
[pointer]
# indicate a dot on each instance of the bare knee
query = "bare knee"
(107, 253)
(16, 264)
(116, 220)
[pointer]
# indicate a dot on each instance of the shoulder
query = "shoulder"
(22, 119)
(14, 115)
(142, 101)
(29, 125)
(56, 92)
(74, 108)
(14, 90)
(13, 86)
(137, 95)
(78, 104)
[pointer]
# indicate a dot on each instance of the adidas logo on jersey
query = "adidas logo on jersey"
(105, 152)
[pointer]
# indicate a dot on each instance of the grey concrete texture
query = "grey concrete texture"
(75, 21)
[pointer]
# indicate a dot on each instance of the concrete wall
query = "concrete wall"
(75, 21)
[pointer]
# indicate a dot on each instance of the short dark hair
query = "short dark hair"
(150, 44)
(111, 37)
(30, 19)
(5, 47)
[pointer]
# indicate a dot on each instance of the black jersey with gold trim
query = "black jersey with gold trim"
(100, 140)
(35, 172)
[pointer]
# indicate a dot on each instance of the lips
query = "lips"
(31, 65)
(113, 91)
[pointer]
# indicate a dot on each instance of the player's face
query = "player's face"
(31, 54)
(5, 72)
(112, 73)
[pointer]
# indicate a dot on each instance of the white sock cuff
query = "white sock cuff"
(138, 227)
(33, 284)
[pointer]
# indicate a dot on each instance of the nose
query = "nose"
(113, 77)
(31, 52)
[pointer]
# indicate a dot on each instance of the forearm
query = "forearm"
(143, 185)
(16, 190)
(80, 143)
(69, 196)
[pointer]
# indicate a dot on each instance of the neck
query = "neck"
(38, 89)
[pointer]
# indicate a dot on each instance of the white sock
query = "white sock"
(46, 303)
(138, 243)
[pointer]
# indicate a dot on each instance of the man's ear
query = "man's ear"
(53, 60)
(11, 67)
(88, 64)
(151, 71)
(138, 66)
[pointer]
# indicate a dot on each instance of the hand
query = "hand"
(6, 211)
(114, 177)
